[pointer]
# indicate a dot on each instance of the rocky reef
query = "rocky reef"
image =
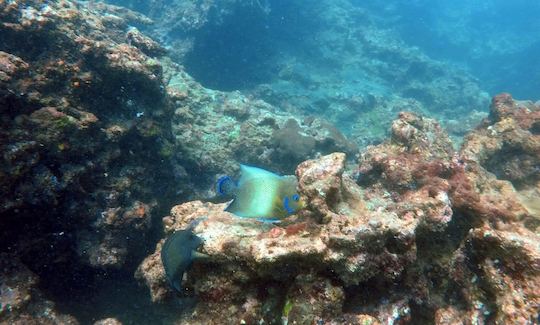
(215, 130)
(82, 127)
(102, 130)
(332, 59)
(415, 233)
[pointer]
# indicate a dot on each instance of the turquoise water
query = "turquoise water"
(496, 40)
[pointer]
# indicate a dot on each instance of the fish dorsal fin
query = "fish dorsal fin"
(248, 173)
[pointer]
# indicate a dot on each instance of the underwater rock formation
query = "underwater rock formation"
(21, 301)
(501, 199)
(362, 75)
(216, 130)
(416, 232)
(84, 121)
(507, 144)
(100, 131)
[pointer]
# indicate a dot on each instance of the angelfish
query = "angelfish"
(177, 255)
(261, 194)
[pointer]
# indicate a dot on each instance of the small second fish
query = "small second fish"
(177, 255)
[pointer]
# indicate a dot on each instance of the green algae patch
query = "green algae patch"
(287, 308)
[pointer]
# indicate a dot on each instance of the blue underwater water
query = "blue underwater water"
(101, 141)
(495, 40)
(271, 42)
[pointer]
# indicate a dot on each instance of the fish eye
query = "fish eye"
(296, 197)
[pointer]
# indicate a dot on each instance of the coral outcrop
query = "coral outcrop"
(100, 131)
(417, 232)
(507, 143)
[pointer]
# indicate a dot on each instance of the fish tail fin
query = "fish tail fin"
(177, 285)
(200, 256)
(225, 186)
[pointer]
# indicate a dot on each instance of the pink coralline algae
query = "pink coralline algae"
(415, 228)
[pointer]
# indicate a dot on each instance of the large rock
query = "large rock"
(406, 225)
(216, 130)
(85, 119)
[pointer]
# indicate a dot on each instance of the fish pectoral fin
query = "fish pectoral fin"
(199, 256)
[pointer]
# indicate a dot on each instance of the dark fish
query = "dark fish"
(177, 255)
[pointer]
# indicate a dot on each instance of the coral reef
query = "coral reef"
(90, 85)
(101, 132)
(507, 143)
(363, 75)
(417, 232)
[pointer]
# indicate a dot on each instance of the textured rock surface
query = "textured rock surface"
(414, 233)
(21, 301)
(508, 143)
(505, 247)
(89, 153)
(215, 130)
(417, 231)
(100, 83)
(90, 85)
